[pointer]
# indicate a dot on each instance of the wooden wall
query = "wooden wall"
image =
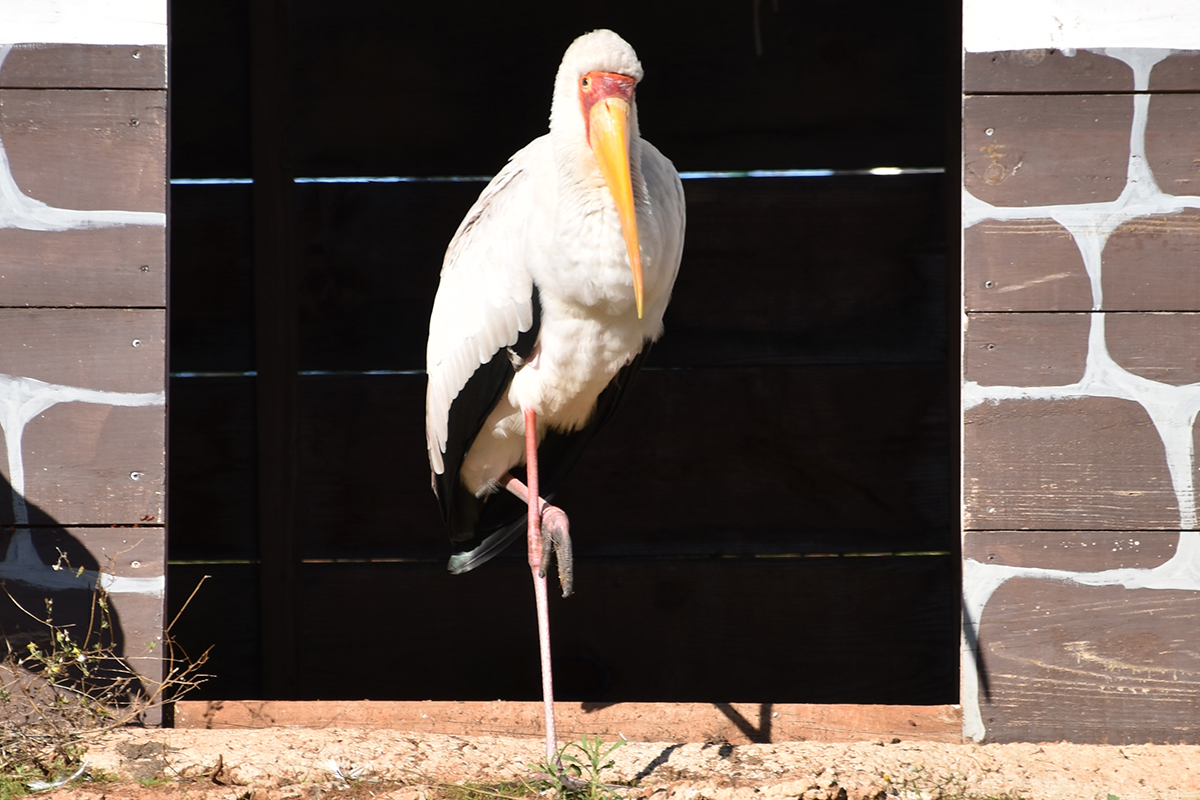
(1081, 216)
(788, 530)
(83, 136)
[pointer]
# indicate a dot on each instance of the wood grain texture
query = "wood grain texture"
(1179, 72)
(735, 723)
(1023, 265)
(94, 464)
(119, 266)
(1091, 463)
(84, 66)
(1095, 664)
(1025, 349)
(1076, 551)
(1149, 264)
(95, 150)
(128, 552)
(1045, 150)
(803, 476)
(1161, 347)
(1171, 149)
(671, 631)
(110, 349)
(1041, 71)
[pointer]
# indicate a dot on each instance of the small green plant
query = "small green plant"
(63, 683)
(577, 773)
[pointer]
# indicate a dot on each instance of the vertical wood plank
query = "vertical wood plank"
(276, 334)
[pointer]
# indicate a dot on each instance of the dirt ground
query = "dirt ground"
(275, 763)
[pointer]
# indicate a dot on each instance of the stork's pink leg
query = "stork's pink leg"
(537, 556)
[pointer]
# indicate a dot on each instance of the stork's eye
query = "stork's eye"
(584, 82)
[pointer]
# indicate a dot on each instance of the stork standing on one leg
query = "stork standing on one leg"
(551, 292)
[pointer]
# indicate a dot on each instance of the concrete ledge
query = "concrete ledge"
(735, 723)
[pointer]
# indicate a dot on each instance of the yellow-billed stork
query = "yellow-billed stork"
(552, 289)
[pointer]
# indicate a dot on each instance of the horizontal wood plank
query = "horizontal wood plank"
(116, 266)
(1100, 664)
(1026, 349)
(1023, 150)
(1052, 71)
(735, 723)
(42, 564)
(212, 279)
(1149, 263)
(1044, 70)
(1023, 265)
(1077, 551)
(92, 443)
(87, 150)
(804, 476)
(213, 471)
(1095, 463)
(749, 291)
(223, 593)
(640, 630)
(84, 66)
(814, 87)
(106, 349)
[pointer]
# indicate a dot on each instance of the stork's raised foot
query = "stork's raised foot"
(556, 537)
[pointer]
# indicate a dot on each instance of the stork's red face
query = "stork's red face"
(607, 98)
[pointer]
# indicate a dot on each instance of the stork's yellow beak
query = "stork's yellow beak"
(608, 129)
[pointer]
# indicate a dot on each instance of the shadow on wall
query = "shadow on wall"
(50, 582)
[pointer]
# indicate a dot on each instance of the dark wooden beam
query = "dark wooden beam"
(276, 338)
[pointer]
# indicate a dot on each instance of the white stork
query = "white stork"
(552, 289)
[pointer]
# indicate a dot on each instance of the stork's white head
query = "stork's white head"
(594, 109)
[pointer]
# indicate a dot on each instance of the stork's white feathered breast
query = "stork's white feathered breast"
(549, 220)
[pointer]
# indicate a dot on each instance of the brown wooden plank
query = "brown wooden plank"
(31, 579)
(1025, 349)
(821, 86)
(93, 150)
(210, 89)
(1039, 71)
(1091, 463)
(1161, 347)
(223, 619)
(95, 459)
(276, 338)
(1076, 551)
(774, 271)
(1023, 265)
(1097, 664)
(735, 723)
(212, 279)
(1044, 150)
(85, 66)
(114, 350)
(1053, 71)
(793, 630)
(212, 470)
(1178, 72)
(1171, 142)
(117, 266)
(1149, 264)
(671, 473)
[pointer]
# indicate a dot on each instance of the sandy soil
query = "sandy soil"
(282, 763)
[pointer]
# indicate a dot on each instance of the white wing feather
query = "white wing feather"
(484, 300)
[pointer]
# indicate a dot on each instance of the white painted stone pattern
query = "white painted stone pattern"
(1173, 409)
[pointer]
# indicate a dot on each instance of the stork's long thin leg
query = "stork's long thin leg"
(537, 554)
